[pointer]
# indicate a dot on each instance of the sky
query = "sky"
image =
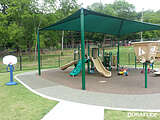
(139, 4)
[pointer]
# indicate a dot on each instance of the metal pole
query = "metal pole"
(98, 50)
(110, 59)
(145, 74)
(88, 59)
(20, 60)
(103, 52)
(135, 62)
(142, 21)
(101, 5)
(104, 58)
(41, 60)
(59, 59)
(111, 43)
(118, 57)
(62, 42)
(78, 52)
(92, 65)
(74, 55)
(83, 49)
(39, 57)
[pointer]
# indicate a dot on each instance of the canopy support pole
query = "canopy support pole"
(145, 74)
(118, 56)
(62, 42)
(83, 49)
(39, 57)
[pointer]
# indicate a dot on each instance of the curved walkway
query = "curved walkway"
(54, 91)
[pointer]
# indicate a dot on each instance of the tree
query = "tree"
(98, 7)
(109, 10)
(23, 17)
(124, 9)
(3, 31)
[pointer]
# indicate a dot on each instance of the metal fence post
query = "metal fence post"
(41, 59)
(88, 58)
(135, 60)
(20, 60)
(78, 52)
(38, 46)
(59, 59)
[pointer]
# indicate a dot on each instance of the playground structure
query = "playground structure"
(68, 64)
(93, 61)
(146, 53)
(89, 21)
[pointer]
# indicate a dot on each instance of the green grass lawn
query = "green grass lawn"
(18, 103)
(125, 115)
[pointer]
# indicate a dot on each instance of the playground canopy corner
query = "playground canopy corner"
(85, 20)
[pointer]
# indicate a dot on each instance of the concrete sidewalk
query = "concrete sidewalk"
(75, 111)
(54, 91)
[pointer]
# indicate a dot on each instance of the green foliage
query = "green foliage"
(20, 20)
(3, 31)
(124, 9)
(97, 7)
(15, 35)
(152, 17)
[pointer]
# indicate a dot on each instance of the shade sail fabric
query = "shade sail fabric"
(101, 23)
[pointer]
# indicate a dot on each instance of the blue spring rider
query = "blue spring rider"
(10, 69)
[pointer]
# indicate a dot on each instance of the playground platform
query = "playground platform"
(117, 93)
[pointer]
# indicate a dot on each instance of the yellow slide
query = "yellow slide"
(68, 65)
(100, 68)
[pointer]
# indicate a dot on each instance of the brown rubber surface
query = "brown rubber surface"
(132, 84)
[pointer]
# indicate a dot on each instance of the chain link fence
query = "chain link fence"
(49, 59)
(54, 59)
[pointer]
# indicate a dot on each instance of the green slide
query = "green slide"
(77, 69)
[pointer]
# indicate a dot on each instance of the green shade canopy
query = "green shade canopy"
(101, 23)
